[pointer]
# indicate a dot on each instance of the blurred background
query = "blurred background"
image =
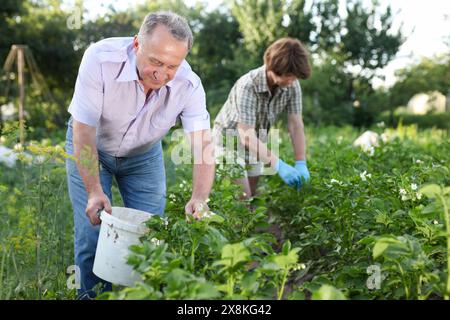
(372, 60)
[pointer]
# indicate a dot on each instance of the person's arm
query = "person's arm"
(203, 171)
(297, 133)
(249, 139)
(85, 151)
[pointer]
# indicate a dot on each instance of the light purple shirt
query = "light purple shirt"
(109, 96)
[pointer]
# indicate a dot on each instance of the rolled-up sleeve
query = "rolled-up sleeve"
(87, 101)
(195, 116)
(295, 102)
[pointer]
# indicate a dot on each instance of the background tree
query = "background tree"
(10, 12)
(368, 43)
(260, 23)
(360, 43)
(325, 33)
(345, 50)
(217, 55)
(430, 74)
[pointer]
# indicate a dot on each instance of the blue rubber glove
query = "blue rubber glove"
(288, 173)
(302, 169)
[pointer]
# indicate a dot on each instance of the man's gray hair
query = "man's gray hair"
(176, 24)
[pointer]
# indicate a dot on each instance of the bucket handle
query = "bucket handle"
(99, 211)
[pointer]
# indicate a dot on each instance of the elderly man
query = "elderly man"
(255, 102)
(128, 94)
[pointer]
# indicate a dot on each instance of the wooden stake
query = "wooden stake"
(20, 74)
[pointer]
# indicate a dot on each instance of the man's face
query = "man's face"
(282, 81)
(158, 57)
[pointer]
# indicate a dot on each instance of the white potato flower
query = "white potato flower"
(155, 241)
(364, 175)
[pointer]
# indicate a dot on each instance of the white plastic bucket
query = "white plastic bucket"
(118, 232)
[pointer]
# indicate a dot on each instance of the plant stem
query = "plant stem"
(447, 224)
(404, 281)
(40, 209)
(1, 271)
(283, 282)
(230, 286)
(419, 288)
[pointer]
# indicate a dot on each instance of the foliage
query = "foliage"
(36, 244)
(345, 52)
(361, 202)
(430, 74)
(221, 256)
(430, 120)
(360, 211)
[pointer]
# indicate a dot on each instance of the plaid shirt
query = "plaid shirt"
(251, 102)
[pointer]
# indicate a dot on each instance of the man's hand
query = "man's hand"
(288, 173)
(96, 202)
(196, 207)
(302, 169)
(202, 172)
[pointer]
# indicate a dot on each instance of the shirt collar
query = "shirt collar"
(128, 69)
(261, 81)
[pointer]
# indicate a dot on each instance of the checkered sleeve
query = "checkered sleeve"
(295, 101)
(246, 105)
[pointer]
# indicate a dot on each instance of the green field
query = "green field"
(366, 227)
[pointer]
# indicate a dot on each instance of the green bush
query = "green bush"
(430, 120)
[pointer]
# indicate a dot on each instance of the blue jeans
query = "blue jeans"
(142, 184)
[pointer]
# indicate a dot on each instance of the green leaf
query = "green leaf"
(249, 283)
(215, 240)
(222, 287)
(379, 248)
(431, 191)
(446, 190)
(233, 254)
(270, 266)
(430, 209)
(367, 240)
(286, 247)
(284, 261)
(215, 218)
(327, 292)
(297, 295)
(206, 290)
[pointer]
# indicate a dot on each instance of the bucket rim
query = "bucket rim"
(123, 225)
